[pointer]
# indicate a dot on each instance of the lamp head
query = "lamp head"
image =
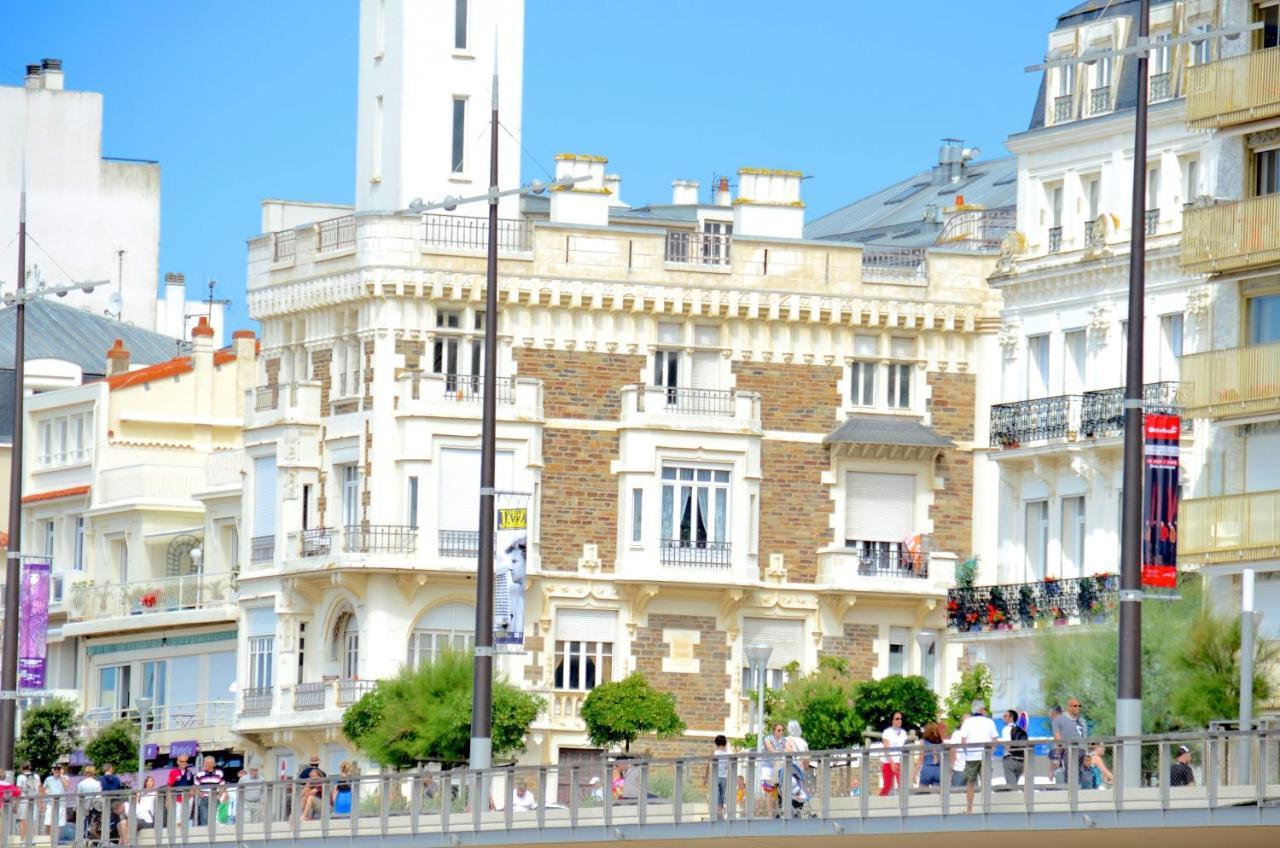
(450, 203)
(537, 187)
(758, 655)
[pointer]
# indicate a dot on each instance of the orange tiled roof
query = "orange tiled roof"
(172, 368)
(54, 494)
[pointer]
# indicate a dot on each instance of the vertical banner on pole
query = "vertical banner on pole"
(510, 572)
(33, 623)
(1162, 438)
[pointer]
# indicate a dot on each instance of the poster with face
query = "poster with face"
(510, 574)
(33, 623)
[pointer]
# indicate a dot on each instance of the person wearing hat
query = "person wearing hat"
(251, 790)
(312, 777)
(55, 785)
(595, 791)
(1180, 773)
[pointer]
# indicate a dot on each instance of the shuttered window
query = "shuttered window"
(586, 624)
(706, 370)
(264, 496)
(785, 635)
(879, 507)
(459, 481)
(260, 621)
(584, 648)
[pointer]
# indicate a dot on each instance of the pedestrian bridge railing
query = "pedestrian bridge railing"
(801, 792)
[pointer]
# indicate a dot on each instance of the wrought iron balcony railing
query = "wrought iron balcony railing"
(262, 549)
(1095, 414)
(337, 234)
(1095, 232)
(469, 388)
(1161, 87)
(462, 544)
(1055, 239)
(981, 230)
(889, 264)
(1152, 221)
(1013, 424)
(687, 247)
(893, 562)
(257, 700)
(1100, 100)
(284, 245)
(465, 232)
(690, 401)
(1102, 412)
(1063, 108)
(1022, 606)
(310, 696)
(317, 541)
(380, 539)
(693, 553)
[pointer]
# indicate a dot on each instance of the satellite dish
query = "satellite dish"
(115, 304)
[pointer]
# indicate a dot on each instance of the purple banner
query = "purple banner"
(189, 748)
(33, 624)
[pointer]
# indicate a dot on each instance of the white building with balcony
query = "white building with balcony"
(1055, 436)
(131, 488)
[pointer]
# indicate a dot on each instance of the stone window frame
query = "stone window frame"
(922, 470)
(685, 348)
(470, 337)
(883, 360)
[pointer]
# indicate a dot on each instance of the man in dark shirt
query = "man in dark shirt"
(110, 780)
(1180, 773)
(312, 778)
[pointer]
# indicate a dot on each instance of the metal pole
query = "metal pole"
(13, 562)
(482, 700)
(1246, 671)
(760, 708)
(1129, 680)
(142, 744)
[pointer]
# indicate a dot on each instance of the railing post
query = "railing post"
(1163, 776)
(446, 800)
(864, 797)
(824, 785)
(904, 781)
(384, 786)
(1211, 771)
(295, 808)
(1258, 742)
(608, 792)
(1028, 776)
(1073, 776)
(575, 793)
(642, 803)
(987, 762)
(509, 778)
(476, 797)
(677, 801)
(542, 797)
(945, 773)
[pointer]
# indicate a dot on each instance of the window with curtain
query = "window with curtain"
(695, 505)
(584, 648)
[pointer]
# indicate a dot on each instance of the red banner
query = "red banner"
(1162, 436)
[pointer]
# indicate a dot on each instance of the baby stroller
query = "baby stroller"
(799, 794)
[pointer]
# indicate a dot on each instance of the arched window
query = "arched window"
(345, 644)
(447, 627)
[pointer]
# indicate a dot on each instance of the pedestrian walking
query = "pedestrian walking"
(976, 733)
(928, 771)
(1015, 756)
(1070, 730)
(893, 738)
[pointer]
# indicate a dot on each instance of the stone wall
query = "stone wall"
(412, 350)
(700, 698)
(952, 405)
(857, 645)
(322, 373)
(795, 506)
(580, 384)
(579, 497)
(272, 367)
(799, 398)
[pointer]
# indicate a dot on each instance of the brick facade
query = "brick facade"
(951, 405)
(367, 375)
(700, 698)
(322, 373)
(272, 367)
(579, 497)
(857, 645)
(799, 398)
(795, 506)
(580, 384)
(412, 350)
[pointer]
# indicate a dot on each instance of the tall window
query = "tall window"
(1073, 536)
(1191, 180)
(155, 675)
(862, 386)
(351, 649)
(928, 657)
(1264, 319)
(666, 359)
(898, 640)
(1073, 372)
(879, 514)
(350, 495)
(1269, 15)
(1037, 366)
(49, 539)
(695, 505)
(898, 383)
(584, 648)
(1266, 172)
(459, 133)
(637, 515)
(1066, 80)
(460, 24)
(1153, 188)
(78, 547)
(412, 518)
(1201, 50)
(450, 627)
(1170, 345)
(1093, 195)
(1161, 60)
(261, 662)
(1037, 539)
(114, 689)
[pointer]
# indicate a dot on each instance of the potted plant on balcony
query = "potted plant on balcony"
(149, 599)
(998, 610)
(1028, 614)
(1086, 598)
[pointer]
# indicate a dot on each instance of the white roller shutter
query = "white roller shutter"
(260, 621)
(459, 476)
(879, 507)
(586, 625)
(786, 635)
(706, 335)
(706, 370)
(450, 617)
(264, 496)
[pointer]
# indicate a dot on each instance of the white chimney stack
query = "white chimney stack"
(684, 192)
(768, 204)
(52, 74)
(613, 182)
(586, 202)
(33, 77)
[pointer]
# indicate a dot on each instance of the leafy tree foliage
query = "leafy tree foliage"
(823, 703)
(1190, 666)
(117, 743)
(616, 713)
(424, 715)
(49, 732)
(973, 684)
(875, 702)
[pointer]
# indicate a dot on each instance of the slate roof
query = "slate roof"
(899, 214)
(886, 430)
(56, 331)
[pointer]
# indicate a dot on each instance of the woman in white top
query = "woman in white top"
(891, 766)
(147, 804)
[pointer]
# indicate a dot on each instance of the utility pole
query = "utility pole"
(482, 689)
(1129, 679)
(13, 561)
(1247, 624)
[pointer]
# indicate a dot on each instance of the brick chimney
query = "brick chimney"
(586, 202)
(202, 365)
(768, 204)
(117, 359)
(245, 346)
(723, 197)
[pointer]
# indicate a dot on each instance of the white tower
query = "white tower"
(426, 71)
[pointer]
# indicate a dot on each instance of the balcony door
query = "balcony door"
(1037, 540)
(1073, 371)
(1037, 366)
(1264, 319)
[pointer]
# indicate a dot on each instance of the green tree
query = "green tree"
(1209, 671)
(973, 684)
(49, 732)
(618, 712)
(875, 702)
(117, 743)
(424, 715)
(823, 703)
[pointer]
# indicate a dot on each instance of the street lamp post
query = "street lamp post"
(144, 714)
(758, 659)
(13, 561)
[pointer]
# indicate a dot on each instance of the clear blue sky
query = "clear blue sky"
(245, 99)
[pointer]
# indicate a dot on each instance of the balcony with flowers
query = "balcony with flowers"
(1051, 602)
